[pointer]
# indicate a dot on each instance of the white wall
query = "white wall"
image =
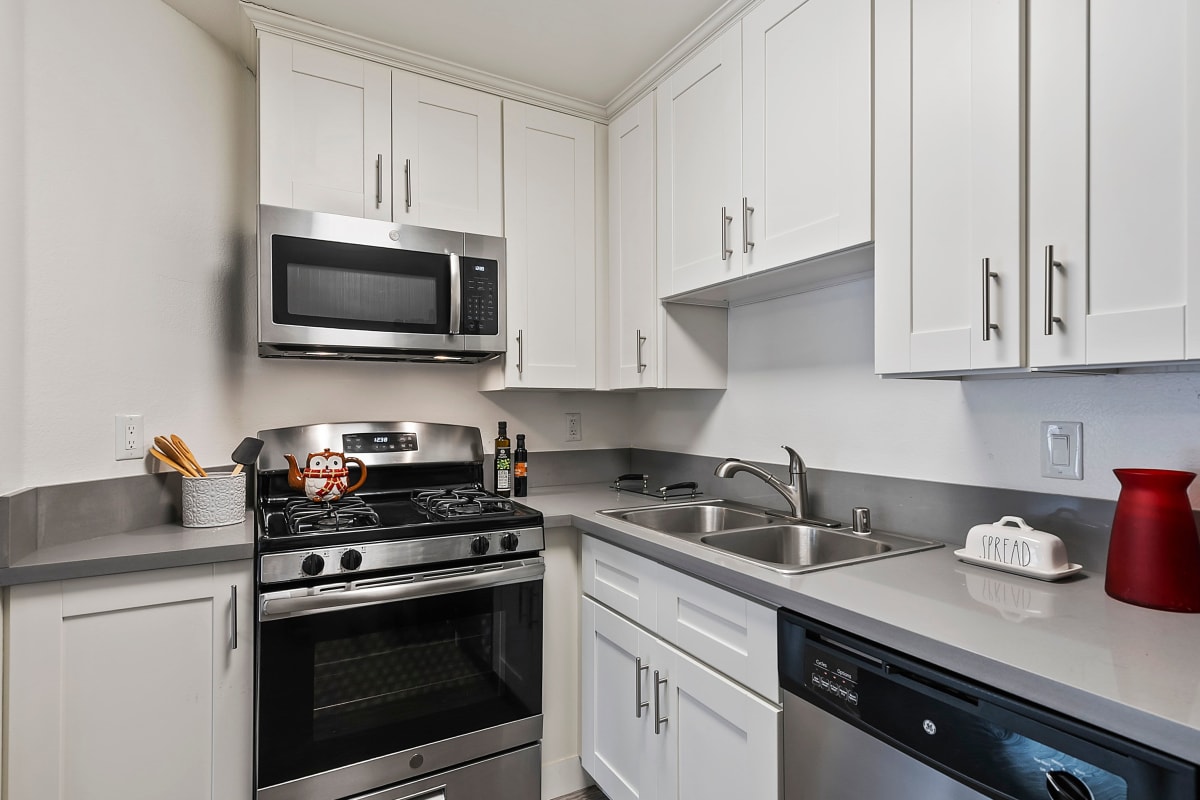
(801, 373)
(139, 262)
(12, 258)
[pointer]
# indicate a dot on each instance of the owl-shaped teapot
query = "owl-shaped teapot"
(325, 476)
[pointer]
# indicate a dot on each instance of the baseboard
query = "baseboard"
(563, 777)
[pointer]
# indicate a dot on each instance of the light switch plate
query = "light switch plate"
(1062, 450)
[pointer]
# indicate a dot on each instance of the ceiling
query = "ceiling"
(582, 49)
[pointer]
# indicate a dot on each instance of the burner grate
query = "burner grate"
(469, 501)
(347, 514)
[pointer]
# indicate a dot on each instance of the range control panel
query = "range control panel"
(831, 676)
(481, 297)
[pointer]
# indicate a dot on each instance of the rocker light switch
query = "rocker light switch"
(1062, 450)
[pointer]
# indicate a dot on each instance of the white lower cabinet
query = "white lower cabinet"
(133, 686)
(658, 722)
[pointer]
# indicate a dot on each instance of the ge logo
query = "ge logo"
(929, 727)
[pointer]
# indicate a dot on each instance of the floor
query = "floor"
(590, 793)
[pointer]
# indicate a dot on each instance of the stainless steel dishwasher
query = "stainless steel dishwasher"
(862, 722)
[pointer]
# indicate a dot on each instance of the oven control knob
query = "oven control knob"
(479, 545)
(312, 564)
(351, 559)
(509, 541)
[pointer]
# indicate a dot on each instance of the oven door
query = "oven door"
(366, 684)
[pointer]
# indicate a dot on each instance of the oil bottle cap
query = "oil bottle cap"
(503, 427)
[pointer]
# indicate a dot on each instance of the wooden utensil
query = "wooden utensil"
(171, 452)
(186, 452)
(245, 453)
(170, 463)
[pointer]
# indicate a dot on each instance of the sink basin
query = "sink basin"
(766, 538)
(795, 547)
(705, 517)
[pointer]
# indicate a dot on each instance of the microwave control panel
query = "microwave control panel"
(481, 297)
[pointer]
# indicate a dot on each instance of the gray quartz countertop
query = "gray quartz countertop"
(1066, 646)
(156, 547)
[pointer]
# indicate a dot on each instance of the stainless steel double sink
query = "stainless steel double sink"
(772, 539)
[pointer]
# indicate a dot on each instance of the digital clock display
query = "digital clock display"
(397, 442)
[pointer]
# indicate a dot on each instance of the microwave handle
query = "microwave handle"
(455, 295)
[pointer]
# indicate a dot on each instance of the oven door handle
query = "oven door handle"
(282, 605)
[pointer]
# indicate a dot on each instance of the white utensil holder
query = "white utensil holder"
(219, 499)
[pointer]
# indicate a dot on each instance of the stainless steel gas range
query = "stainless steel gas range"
(399, 627)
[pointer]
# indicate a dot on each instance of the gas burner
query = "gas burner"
(468, 501)
(349, 513)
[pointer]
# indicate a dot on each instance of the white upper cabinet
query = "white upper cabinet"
(446, 156)
(348, 136)
(324, 130)
(806, 130)
(1113, 182)
(550, 225)
(631, 247)
(652, 345)
(1058, 181)
(699, 168)
(949, 271)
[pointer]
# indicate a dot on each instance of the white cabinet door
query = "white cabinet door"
(130, 686)
(1058, 182)
(550, 226)
(722, 741)
(806, 161)
(1144, 105)
(699, 168)
(949, 263)
(618, 747)
(324, 127)
(635, 341)
(1111, 229)
(446, 149)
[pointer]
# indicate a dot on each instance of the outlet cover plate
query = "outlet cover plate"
(1062, 450)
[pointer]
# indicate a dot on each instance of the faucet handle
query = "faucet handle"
(795, 462)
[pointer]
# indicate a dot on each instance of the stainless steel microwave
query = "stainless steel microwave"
(342, 287)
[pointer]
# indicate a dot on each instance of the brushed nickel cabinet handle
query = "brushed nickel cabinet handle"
(747, 210)
(520, 351)
(988, 277)
(726, 251)
(407, 184)
(1051, 265)
(659, 720)
(639, 703)
(379, 180)
(233, 609)
(641, 340)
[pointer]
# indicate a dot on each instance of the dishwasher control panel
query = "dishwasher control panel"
(831, 676)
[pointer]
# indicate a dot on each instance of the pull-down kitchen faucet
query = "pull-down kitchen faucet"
(795, 491)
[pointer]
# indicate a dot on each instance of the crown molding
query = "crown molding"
(293, 27)
(721, 20)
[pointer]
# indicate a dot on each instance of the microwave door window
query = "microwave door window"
(359, 287)
(396, 300)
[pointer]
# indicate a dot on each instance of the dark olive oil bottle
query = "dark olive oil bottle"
(502, 469)
(520, 468)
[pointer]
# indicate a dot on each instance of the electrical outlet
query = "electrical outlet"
(574, 426)
(128, 445)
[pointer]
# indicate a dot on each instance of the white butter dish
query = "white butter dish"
(1020, 550)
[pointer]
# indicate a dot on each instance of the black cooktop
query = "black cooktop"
(399, 517)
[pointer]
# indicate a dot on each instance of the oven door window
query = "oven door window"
(344, 686)
(359, 287)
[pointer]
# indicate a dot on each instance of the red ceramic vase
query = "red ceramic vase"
(1154, 549)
